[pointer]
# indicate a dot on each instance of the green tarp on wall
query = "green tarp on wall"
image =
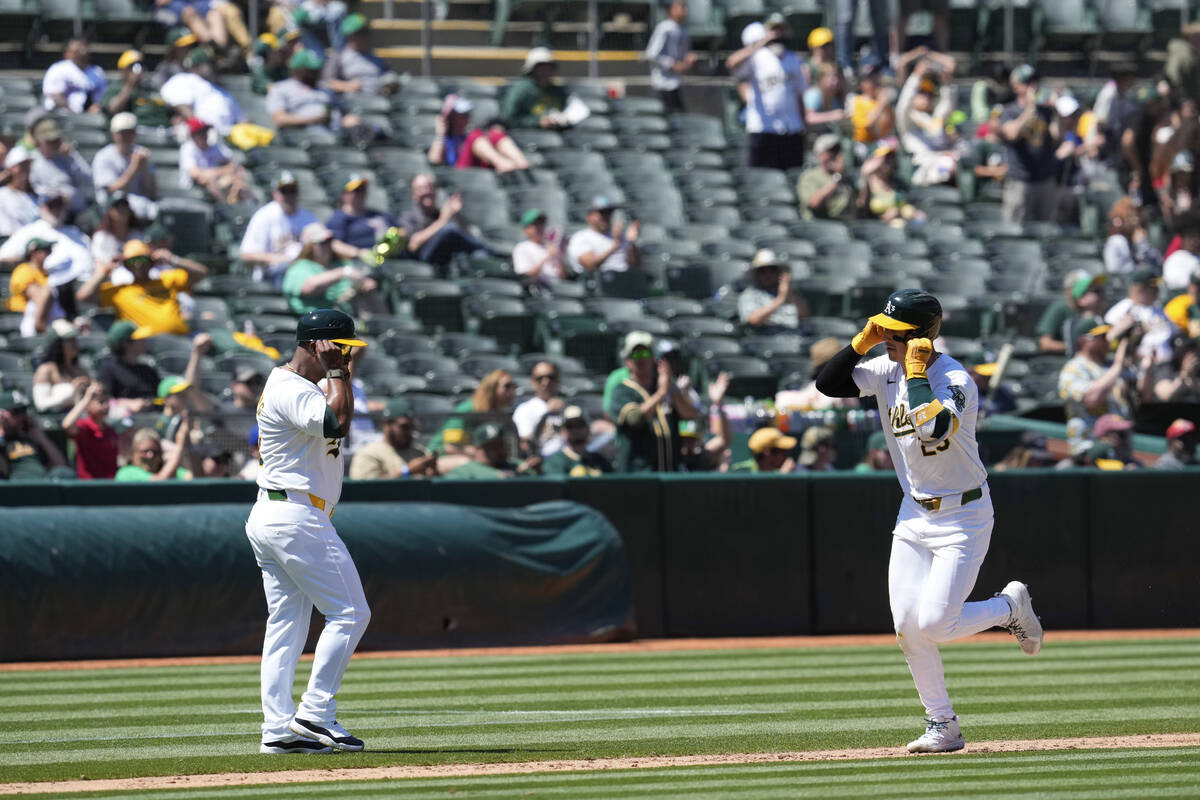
(79, 582)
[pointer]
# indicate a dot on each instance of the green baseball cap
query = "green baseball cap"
(172, 384)
(1085, 283)
(38, 244)
(305, 59)
(1024, 74)
(398, 407)
(487, 432)
(353, 24)
(124, 330)
(194, 58)
(531, 216)
(877, 441)
(180, 37)
(11, 398)
(1146, 276)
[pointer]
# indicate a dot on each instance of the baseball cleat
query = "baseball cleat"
(941, 736)
(1023, 623)
(294, 744)
(334, 735)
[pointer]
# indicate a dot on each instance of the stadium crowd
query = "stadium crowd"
(100, 261)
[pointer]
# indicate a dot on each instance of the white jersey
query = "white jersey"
(296, 454)
(948, 466)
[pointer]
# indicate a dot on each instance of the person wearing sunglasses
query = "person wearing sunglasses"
(573, 458)
(397, 454)
(303, 560)
(541, 412)
(647, 407)
(930, 406)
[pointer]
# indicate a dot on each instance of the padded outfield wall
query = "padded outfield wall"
(102, 569)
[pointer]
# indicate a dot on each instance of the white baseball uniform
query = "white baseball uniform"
(304, 562)
(936, 554)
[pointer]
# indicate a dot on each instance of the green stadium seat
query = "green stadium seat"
(403, 344)
(504, 318)
(437, 303)
(481, 364)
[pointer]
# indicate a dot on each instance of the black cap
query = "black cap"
(911, 310)
(327, 324)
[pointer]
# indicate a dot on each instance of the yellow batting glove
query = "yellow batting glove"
(868, 337)
(917, 357)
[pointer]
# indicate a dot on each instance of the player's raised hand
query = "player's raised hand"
(329, 354)
(920, 351)
(868, 337)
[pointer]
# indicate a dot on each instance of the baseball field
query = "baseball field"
(1095, 715)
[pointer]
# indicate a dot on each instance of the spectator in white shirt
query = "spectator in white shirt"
(69, 260)
(125, 166)
(669, 53)
(115, 229)
(57, 167)
(1183, 263)
(775, 77)
(18, 202)
(211, 166)
(195, 93)
(546, 405)
(604, 244)
(538, 259)
(1142, 305)
(74, 83)
(272, 238)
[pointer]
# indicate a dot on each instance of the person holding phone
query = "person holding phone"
(775, 77)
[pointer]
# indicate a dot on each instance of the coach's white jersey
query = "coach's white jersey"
(295, 452)
(949, 466)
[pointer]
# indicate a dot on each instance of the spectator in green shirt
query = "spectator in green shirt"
(25, 450)
(825, 191)
(315, 281)
(877, 458)
(133, 93)
(147, 463)
(490, 460)
(270, 60)
(535, 100)
(1060, 324)
(646, 408)
(573, 458)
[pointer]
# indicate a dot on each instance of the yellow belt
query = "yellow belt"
(316, 502)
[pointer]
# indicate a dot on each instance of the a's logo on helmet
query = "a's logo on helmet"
(890, 308)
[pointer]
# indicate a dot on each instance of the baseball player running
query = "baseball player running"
(945, 520)
(304, 562)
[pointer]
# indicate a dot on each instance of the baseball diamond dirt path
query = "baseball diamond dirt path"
(638, 646)
(476, 770)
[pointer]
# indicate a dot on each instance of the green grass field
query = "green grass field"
(204, 719)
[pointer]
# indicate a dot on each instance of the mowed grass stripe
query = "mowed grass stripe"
(735, 733)
(1058, 775)
(182, 718)
(717, 661)
(361, 689)
(471, 710)
(1001, 667)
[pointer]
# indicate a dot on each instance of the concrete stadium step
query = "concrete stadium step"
(476, 33)
(505, 62)
(411, 9)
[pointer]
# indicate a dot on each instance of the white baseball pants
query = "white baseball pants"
(936, 556)
(304, 564)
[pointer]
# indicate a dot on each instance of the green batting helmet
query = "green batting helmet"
(327, 323)
(912, 310)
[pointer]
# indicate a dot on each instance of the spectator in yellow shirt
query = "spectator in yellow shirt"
(32, 292)
(152, 303)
